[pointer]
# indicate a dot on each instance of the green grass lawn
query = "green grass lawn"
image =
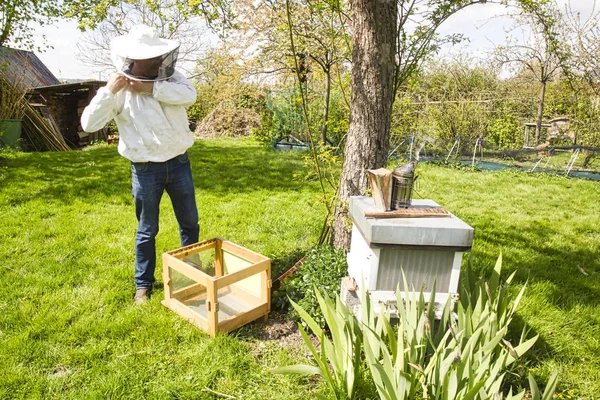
(68, 328)
(547, 227)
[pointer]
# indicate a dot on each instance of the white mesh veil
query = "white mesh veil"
(150, 69)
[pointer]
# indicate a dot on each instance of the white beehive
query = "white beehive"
(425, 249)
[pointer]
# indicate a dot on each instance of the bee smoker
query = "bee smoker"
(403, 178)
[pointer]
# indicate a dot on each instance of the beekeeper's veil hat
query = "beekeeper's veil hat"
(143, 43)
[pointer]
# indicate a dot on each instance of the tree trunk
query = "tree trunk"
(540, 113)
(326, 108)
(373, 53)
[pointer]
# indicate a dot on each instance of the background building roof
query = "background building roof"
(24, 67)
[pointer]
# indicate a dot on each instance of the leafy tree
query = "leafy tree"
(582, 39)
(218, 75)
(538, 57)
(171, 21)
(417, 38)
(298, 37)
(322, 36)
(223, 83)
(16, 17)
(375, 75)
(447, 100)
(378, 71)
(90, 13)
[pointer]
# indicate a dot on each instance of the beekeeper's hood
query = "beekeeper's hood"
(142, 43)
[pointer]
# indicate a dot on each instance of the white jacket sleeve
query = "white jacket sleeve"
(100, 111)
(177, 91)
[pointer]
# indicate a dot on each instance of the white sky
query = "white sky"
(475, 22)
(484, 25)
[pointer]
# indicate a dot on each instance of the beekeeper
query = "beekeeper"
(147, 98)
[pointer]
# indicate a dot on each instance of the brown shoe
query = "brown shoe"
(141, 296)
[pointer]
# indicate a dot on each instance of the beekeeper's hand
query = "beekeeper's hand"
(116, 83)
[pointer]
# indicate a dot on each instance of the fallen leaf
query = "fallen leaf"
(582, 271)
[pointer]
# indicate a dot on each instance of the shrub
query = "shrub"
(263, 133)
(323, 268)
(505, 131)
(228, 122)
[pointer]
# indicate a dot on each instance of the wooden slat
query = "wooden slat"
(186, 313)
(289, 272)
(199, 296)
(218, 259)
(411, 212)
(242, 252)
(349, 284)
(237, 276)
(239, 320)
(187, 291)
(265, 296)
(187, 270)
(167, 278)
(212, 309)
(194, 248)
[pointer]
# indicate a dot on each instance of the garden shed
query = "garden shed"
(65, 103)
(55, 106)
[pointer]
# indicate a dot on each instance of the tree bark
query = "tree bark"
(540, 113)
(326, 108)
(373, 54)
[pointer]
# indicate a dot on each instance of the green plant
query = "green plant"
(324, 267)
(37, 133)
(462, 356)
(264, 133)
(549, 390)
(504, 131)
(391, 356)
(324, 163)
(341, 354)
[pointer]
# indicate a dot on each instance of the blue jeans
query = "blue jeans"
(149, 181)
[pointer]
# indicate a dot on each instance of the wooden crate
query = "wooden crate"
(230, 287)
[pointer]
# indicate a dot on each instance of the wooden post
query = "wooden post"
(218, 259)
(265, 296)
(212, 308)
(167, 279)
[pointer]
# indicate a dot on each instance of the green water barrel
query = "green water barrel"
(10, 132)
